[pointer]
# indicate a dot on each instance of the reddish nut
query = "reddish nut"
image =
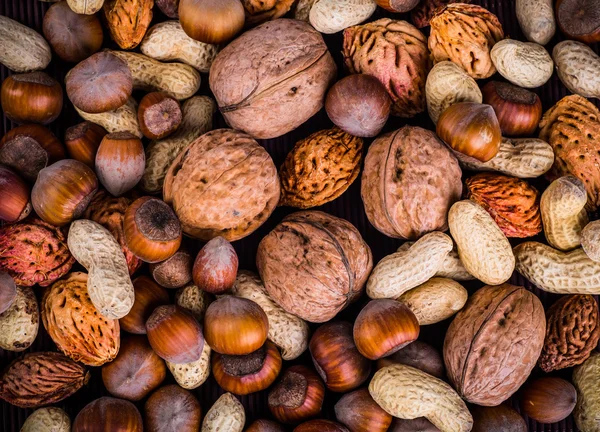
(8, 291)
(148, 296)
(359, 412)
(120, 162)
(174, 272)
(579, 19)
(265, 426)
(419, 355)
(172, 408)
(212, 21)
(320, 426)
(108, 414)
(420, 424)
(168, 7)
(501, 418)
(14, 196)
(398, 6)
(82, 142)
(32, 97)
(159, 115)
(548, 399)
(216, 266)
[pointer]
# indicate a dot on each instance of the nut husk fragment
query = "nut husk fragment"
(128, 20)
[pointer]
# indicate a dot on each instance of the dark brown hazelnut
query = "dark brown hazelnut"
(320, 426)
(108, 414)
(265, 426)
(419, 355)
(120, 162)
(579, 19)
(8, 291)
(548, 399)
(172, 408)
(212, 21)
(14, 196)
(32, 97)
(216, 266)
(169, 7)
(148, 296)
(174, 272)
(398, 6)
(82, 142)
(420, 424)
(501, 418)
(159, 115)
(359, 412)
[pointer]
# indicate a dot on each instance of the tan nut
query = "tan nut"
(586, 378)
(49, 419)
(577, 67)
(590, 241)
(23, 49)
(192, 375)
(227, 414)
(525, 64)
(332, 16)
(536, 18)
(123, 119)
(451, 268)
(20, 322)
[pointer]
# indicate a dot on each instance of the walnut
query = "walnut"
(320, 168)
(465, 34)
(128, 20)
(394, 52)
(259, 11)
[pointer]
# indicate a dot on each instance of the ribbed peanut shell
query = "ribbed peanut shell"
(20, 322)
(451, 268)
(192, 375)
(194, 300)
(577, 67)
(85, 7)
(332, 16)
(23, 49)
(585, 379)
(123, 119)
(128, 20)
(227, 414)
(50, 419)
(536, 19)
(590, 240)
(525, 64)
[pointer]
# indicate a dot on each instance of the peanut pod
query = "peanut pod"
(227, 414)
(577, 67)
(192, 375)
(587, 410)
(22, 49)
(590, 240)
(525, 64)
(332, 16)
(452, 267)
(536, 18)
(85, 7)
(123, 119)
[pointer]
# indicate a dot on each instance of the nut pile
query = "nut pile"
(121, 234)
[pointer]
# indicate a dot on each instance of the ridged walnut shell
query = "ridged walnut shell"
(572, 332)
(410, 181)
(493, 343)
(223, 184)
(465, 34)
(74, 324)
(320, 168)
(572, 128)
(44, 245)
(395, 52)
(314, 264)
(41, 378)
(512, 202)
(128, 20)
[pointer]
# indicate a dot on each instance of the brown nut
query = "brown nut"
(120, 162)
(420, 424)
(174, 272)
(215, 266)
(108, 414)
(82, 142)
(14, 196)
(397, 6)
(148, 296)
(8, 291)
(159, 115)
(501, 418)
(548, 399)
(169, 7)
(359, 412)
(172, 408)
(422, 14)
(128, 20)
(32, 97)
(211, 21)
(264, 426)
(419, 355)
(579, 19)
(320, 426)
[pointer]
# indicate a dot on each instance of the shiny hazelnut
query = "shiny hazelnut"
(108, 414)
(420, 424)
(471, 129)
(148, 296)
(174, 334)
(120, 162)
(216, 266)
(297, 396)
(383, 327)
(518, 110)
(159, 115)
(359, 412)
(82, 142)
(336, 358)
(398, 6)
(136, 370)
(172, 408)
(100, 83)
(212, 21)
(14, 196)
(245, 374)
(235, 326)
(548, 399)
(168, 7)
(29, 148)
(8, 291)
(579, 19)
(32, 97)
(152, 230)
(264, 426)
(359, 105)
(320, 426)
(174, 272)
(63, 191)
(501, 418)
(419, 355)
(74, 37)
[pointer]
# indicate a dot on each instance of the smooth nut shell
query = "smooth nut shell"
(172, 408)
(14, 196)
(417, 354)
(108, 414)
(501, 418)
(548, 399)
(31, 98)
(215, 266)
(82, 142)
(264, 426)
(359, 412)
(120, 162)
(211, 21)
(579, 19)
(320, 426)
(174, 272)
(148, 296)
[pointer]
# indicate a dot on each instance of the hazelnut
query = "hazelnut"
(501, 418)
(359, 412)
(32, 97)
(212, 21)
(159, 115)
(108, 414)
(579, 20)
(420, 424)
(172, 408)
(8, 291)
(398, 6)
(120, 162)
(148, 296)
(82, 142)
(216, 266)
(168, 7)
(14, 196)
(419, 355)
(320, 426)
(265, 426)
(548, 399)
(174, 272)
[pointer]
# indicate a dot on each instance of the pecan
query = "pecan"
(128, 20)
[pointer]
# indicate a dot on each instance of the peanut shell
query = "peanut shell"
(332, 16)
(192, 375)
(227, 414)
(585, 378)
(20, 322)
(23, 49)
(50, 419)
(577, 67)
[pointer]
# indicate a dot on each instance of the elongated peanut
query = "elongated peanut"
(435, 300)
(590, 240)
(563, 212)
(22, 49)
(525, 64)
(577, 66)
(558, 272)
(123, 119)
(332, 16)
(192, 375)
(451, 268)
(536, 18)
(397, 273)
(227, 414)
(587, 410)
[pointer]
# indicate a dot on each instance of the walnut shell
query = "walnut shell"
(410, 181)
(422, 14)
(572, 332)
(314, 264)
(128, 20)
(465, 34)
(320, 168)
(223, 184)
(493, 343)
(41, 378)
(74, 324)
(44, 245)
(512, 202)
(19, 323)
(572, 128)
(395, 52)
(273, 78)
(259, 11)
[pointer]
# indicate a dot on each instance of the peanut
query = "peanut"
(587, 410)
(193, 299)
(525, 64)
(109, 285)
(86, 7)
(49, 419)
(482, 246)
(590, 240)
(401, 271)
(192, 375)
(577, 67)
(563, 212)
(536, 18)
(332, 16)
(407, 393)
(123, 119)
(20, 322)
(22, 49)
(451, 268)
(227, 414)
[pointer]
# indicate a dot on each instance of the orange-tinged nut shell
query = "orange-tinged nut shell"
(265, 426)
(398, 6)
(216, 266)
(172, 408)
(14, 196)
(320, 426)
(120, 162)
(128, 20)
(422, 14)
(548, 399)
(33, 97)
(159, 115)
(359, 412)
(108, 414)
(211, 21)
(148, 296)
(82, 142)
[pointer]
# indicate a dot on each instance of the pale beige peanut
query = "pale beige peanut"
(586, 378)
(408, 393)
(19, 324)
(398, 272)
(590, 240)
(451, 268)
(123, 119)
(558, 272)
(192, 375)
(525, 64)
(86, 7)
(193, 299)
(227, 414)
(536, 18)
(482, 246)
(577, 67)
(109, 285)
(51, 419)
(332, 16)
(22, 49)
(563, 212)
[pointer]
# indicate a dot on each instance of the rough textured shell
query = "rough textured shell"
(425, 10)
(44, 243)
(193, 299)
(50, 419)
(320, 168)
(273, 78)
(287, 331)
(447, 84)
(74, 325)
(482, 246)
(19, 323)
(585, 378)
(128, 20)
(394, 52)
(302, 9)
(523, 158)
(22, 49)
(572, 332)
(123, 119)
(86, 7)
(493, 344)
(332, 16)
(536, 18)
(572, 127)
(197, 115)
(314, 264)
(167, 41)
(192, 375)
(406, 269)
(401, 169)
(259, 11)
(224, 183)
(405, 392)
(577, 67)
(451, 268)
(525, 64)
(227, 414)
(590, 240)
(109, 286)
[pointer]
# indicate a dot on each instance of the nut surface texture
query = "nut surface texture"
(20, 322)
(128, 20)
(50, 419)
(536, 19)
(577, 67)
(227, 414)
(123, 119)
(585, 378)
(332, 16)
(525, 64)
(192, 375)
(23, 49)
(590, 240)
(259, 11)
